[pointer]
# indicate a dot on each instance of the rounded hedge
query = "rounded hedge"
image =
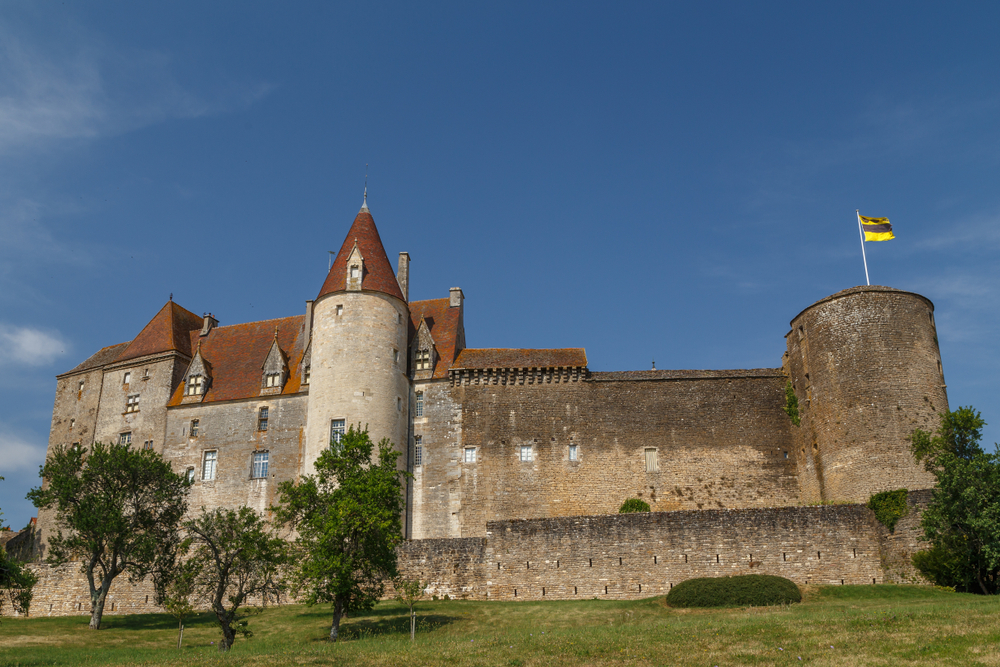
(634, 505)
(748, 590)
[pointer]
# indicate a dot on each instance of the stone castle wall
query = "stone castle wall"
(866, 369)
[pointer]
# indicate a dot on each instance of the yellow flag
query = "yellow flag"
(876, 229)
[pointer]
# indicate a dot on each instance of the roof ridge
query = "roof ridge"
(240, 324)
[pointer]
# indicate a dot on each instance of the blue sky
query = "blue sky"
(665, 180)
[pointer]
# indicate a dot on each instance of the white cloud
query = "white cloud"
(28, 346)
(19, 453)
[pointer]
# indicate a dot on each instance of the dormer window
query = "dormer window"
(305, 375)
(423, 360)
(273, 380)
(355, 272)
(195, 385)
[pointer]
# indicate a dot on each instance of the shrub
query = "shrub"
(634, 505)
(889, 507)
(757, 590)
(791, 404)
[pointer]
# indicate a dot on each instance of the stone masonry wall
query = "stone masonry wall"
(721, 441)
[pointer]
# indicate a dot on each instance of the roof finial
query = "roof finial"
(654, 364)
(364, 206)
(171, 296)
(275, 332)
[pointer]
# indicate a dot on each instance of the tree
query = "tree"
(233, 557)
(174, 590)
(409, 592)
(962, 521)
(16, 583)
(348, 518)
(121, 508)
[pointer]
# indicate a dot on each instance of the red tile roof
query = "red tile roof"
(378, 274)
(168, 331)
(520, 358)
(102, 357)
(445, 326)
(237, 353)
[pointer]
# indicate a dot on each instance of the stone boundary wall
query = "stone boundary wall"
(615, 556)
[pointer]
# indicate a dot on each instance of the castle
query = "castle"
(495, 436)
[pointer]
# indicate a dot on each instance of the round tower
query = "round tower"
(358, 347)
(866, 370)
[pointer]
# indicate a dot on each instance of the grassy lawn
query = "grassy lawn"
(842, 625)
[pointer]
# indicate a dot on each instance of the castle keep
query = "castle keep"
(495, 436)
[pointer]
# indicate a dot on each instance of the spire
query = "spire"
(378, 274)
(364, 204)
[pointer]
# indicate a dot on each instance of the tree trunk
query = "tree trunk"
(97, 608)
(338, 612)
(180, 633)
(228, 637)
(413, 625)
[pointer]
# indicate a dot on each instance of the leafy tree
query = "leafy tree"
(174, 590)
(634, 505)
(409, 592)
(348, 518)
(962, 521)
(121, 508)
(233, 557)
(16, 583)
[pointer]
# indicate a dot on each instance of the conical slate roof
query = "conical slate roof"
(378, 275)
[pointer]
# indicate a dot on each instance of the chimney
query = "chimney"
(456, 297)
(403, 275)
(307, 325)
(208, 323)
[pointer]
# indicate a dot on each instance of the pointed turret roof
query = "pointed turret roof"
(378, 275)
(169, 330)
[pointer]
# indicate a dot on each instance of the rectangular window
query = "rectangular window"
(189, 476)
(132, 403)
(423, 360)
(274, 380)
(148, 444)
(128, 377)
(470, 455)
(125, 438)
(194, 385)
(573, 455)
(418, 450)
(262, 419)
(80, 386)
(305, 376)
(337, 431)
(651, 465)
(194, 427)
(260, 461)
(420, 404)
(208, 465)
(395, 356)
(525, 453)
(340, 309)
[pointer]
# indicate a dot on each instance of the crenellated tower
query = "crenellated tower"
(866, 370)
(358, 347)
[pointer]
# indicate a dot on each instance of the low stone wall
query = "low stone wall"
(617, 556)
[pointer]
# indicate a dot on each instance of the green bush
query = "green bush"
(791, 404)
(748, 590)
(634, 505)
(889, 507)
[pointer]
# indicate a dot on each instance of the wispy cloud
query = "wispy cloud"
(20, 453)
(28, 346)
(93, 91)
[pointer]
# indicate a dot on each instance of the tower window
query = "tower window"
(651, 463)
(355, 272)
(208, 465)
(79, 387)
(418, 450)
(573, 453)
(189, 475)
(420, 404)
(399, 404)
(195, 385)
(125, 438)
(194, 428)
(262, 419)
(128, 377)
(470, 455)
(395, 356)
(260, 463)
(132, 403)
(423, 360)
(340, 309)
(337, 431)
(525, 453)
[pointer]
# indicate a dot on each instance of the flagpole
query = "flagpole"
(858, 211)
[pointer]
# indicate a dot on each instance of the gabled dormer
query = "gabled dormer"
(274, 372)
(197, 378)
(423, 355)
(355, 269)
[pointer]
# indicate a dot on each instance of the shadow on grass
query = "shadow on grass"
(154, 622)
(375, 625)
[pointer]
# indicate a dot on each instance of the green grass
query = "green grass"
(841, 625)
